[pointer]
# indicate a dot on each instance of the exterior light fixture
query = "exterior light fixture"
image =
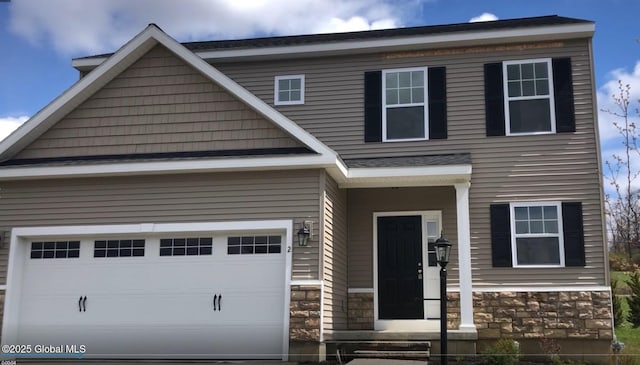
(443, 249)
(304, 233)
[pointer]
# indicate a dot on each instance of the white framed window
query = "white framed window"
(529, 100)
(192, 246)
(55, 249)
(250, 245)
(404, 107)
(536, 234)
(289, 90)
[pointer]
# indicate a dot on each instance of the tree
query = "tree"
(623, 205)
(634, 300)
(619, 316)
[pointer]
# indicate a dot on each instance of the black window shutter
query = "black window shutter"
(494, 99)
(573, 234)
(501, 235)
(373, 106)
(563, 94)
(437, 102)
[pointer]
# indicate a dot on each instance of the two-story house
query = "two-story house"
(272, 197)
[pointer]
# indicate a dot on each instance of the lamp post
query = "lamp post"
(443, 249)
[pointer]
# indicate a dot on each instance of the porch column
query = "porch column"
(464, 256)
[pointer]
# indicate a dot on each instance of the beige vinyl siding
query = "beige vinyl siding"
(334, 256)
(554, 167)
(232, 196)
(159, 104)
(363, 203)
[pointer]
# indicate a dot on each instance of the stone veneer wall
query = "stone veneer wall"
(304, 312)
(558, 315)
(360, 311)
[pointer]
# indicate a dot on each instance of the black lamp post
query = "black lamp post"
(443, 249)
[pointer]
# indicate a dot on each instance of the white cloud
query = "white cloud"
(608, 133)
(9, 124)
(610, 139)
(484, 17)
(88, 27)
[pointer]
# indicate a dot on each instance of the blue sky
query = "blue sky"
(38, 38)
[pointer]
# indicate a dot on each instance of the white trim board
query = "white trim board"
(491, 289)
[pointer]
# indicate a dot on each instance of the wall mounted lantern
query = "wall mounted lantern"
(305, 233)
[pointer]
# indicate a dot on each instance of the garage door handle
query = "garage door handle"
(220, 302)
(82, 304)
(215, 297)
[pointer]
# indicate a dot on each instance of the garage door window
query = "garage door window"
(118, 248)
(186, 246)
(248, 245)
(55, 250)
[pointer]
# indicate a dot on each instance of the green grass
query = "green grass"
(631, 339)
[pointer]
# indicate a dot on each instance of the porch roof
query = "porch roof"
(411, 161)
(423, 170)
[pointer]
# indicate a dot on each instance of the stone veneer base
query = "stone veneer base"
(577, 323)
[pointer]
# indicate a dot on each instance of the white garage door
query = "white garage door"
(169, 296)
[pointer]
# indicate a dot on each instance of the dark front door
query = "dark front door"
(399, 268)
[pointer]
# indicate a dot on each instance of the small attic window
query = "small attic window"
(289, 90)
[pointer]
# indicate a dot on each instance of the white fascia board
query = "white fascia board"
(77, 93)
(406, 176)
(387, 172)
(167, 167)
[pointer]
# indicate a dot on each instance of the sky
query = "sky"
(39, 38)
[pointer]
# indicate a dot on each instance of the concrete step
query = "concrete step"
(415, 350)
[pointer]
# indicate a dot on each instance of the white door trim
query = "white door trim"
(21, 236)
(403, 324)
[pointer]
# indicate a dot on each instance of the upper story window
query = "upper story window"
(408, 104)
(529, 97)
(289, 90)
(404, 116)
(529, 100)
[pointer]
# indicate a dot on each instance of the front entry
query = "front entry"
(407, 275)
(400, 272)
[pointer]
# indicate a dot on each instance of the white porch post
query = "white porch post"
(464, 256)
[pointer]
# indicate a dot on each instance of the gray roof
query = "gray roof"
(411, 161)
(309, 39)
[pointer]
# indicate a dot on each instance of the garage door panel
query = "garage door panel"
(157, 306)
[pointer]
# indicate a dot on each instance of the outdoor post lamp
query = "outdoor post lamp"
(443, 249)
(304, 233)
